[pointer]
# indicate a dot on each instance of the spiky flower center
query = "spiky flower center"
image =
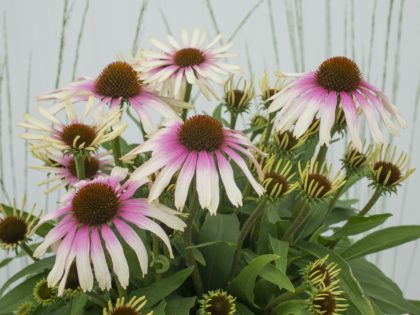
(275, 184)
(234, 98)
(118, 79)
(201, 133)
(91, 167)
(188, 57)
(77, 134)
(95, 204)
(219, 305)
(355, 159)
(389, 173)
(339, 74)
(286, 140)
(12, 230)
(322, 271)
(318, 185)
(124, 310)
(43, 293)
(325, 303)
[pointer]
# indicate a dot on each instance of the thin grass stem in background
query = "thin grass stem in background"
(372, 38)
(10, 122)
(79, 39)
(140, 19)
(27, 101)
(248, 60)
(244, 20)
(352, 31)
(273, 33)
(328, 28)
(388, 32)
(1, 132)
(165, 21)
(299, 26)
(396, 76)
(345, 37)
(212, 17)
(290, 30)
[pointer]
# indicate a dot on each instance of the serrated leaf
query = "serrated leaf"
(381, 240)
(243, 285)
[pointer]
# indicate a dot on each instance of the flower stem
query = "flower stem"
(28, 250)
(79, 161)
(322, 153)
(285, 297)
(155, 245)
(269, 128)
(121, 291)
(116, 151)
(370, 203)
(187, 238)
(296, 223)
(187, 97)
(233, 119)
(243, 234)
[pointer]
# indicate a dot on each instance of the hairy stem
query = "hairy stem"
(79, 161)
(28, 250)
(269, 128)
(187, 238)
(187, 97)
(233, 119)
(243, 234)
(296, 223)
(116, 151)
(371, 202)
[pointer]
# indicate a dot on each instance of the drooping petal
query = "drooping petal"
(99, 261)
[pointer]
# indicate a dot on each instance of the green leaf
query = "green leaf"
(381, 240)
(178, 305)
(281, 249)
(41, 231)
(290, 308)
(243, 285)
(160, 309)
(12, 299)
(218, 257)
(77, 304)
(382, 290)
(217, 113)
(34, 268)
(277, 277)
(6, 261)
(162, 288)
(356, 225)
(348, 282)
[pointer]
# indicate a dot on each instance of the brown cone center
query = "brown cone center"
(339, 74)
(188, 57)
(77, 134)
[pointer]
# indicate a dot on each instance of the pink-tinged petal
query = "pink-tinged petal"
(135, 242)
(242, 165)
(164, 177)
(372, 118)
(203, 180)
(179, 77)
(61, 257)
(144, 117)
(84, 270)
(51, 216)
(69, 261)
(307, 116)
(214, 186)
(250, 156)
(352, 119)
(184, 180)
(54, 235)
(99, 261)
(228, 179)
(130, 187)
(327, 118)
(151, 166)
(288, 115)
(117, 175)
(115, 250)
(148, 225)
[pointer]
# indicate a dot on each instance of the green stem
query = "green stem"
(136, 122)
(96, 298)
(79, 161)
(116, 151)
(269, 128)
(296, 223)
(285, 297)
(243, 234)
(155, 244)
(28, 250)
(233, 119)
(187, 97)
(121, 291)
(371, 202)
(187, 238)
(322, 153)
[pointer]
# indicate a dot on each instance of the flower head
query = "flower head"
(315, 182)
(238, 96)
(44, 294)
(118, 83)
(355, 161)
(386, 170)
(336, 83)
(267, 91)
(320, 274)
(16, 226)
(217, 303)
(122, 307)
(192, 61)
(63, 167)
(26, 308)
(85, 221)
(75, 135)
(277, 177)
(192, 148)
(328, 301)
